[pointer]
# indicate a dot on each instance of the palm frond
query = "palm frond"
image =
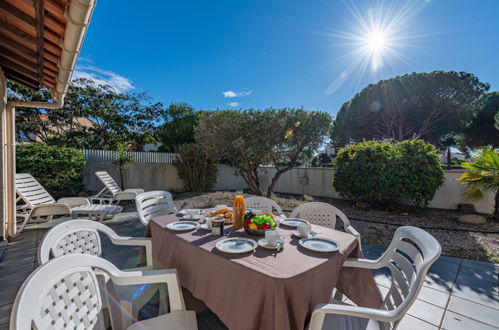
(473, 194)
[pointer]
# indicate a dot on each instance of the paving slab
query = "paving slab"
(412, 323)
(454, 321)
(427, 312)
(474, 311)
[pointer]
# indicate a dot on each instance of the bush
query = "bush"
(58, 169)
(386, 174)
(195, 167)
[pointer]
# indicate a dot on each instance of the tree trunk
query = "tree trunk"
(276, 177)
(496, 206)
(449, 159)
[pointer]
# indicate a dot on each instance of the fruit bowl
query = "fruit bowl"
(257, 232)
(257, 225)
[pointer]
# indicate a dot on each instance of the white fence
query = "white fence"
(108, 156)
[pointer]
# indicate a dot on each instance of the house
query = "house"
(39, 45)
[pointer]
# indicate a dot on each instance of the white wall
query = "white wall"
(304, 181)
(318, 182)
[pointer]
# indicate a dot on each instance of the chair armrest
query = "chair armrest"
(74, 201)
(43, 210)
(363, 263)
(136, 241)
(352, 231)
(320, 312)
(168, 276)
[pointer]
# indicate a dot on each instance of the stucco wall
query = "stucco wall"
(148, 176)
(306, 181)
(317, 182)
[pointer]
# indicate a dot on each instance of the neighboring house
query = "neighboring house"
(149, 147)
(329, 150)
(442, 156)
(78, 122)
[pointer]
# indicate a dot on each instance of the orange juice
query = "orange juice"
(239, 210)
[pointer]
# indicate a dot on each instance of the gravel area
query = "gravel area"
(478, 242)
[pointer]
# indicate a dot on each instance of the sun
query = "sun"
(376, 41)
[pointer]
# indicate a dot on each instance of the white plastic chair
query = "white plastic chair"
(82, 237)
(324, 214)
(154, 204)
(112, 193)
(34, 204)
(264, 204)
(64, 294)
(409, 256)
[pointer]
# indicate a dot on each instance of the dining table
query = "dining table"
(261, 289)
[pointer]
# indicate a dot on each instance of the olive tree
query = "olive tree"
(251, 138)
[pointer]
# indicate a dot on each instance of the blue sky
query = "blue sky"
(282, 53)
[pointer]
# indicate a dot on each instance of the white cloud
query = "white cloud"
(103, 77)
(233, 104)
(231, 94)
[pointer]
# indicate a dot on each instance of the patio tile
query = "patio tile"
(435, 297)
(490, 298)
(446, 263)
(478, 274)
(480, 265)
(453, 321)
(481, 286)
(440, 280)
(426, 312)
(473, 310)
(411, 323)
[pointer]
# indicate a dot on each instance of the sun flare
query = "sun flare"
(376, 41)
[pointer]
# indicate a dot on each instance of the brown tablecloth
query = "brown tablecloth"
(264, 289)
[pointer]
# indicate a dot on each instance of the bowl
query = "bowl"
(258, 232)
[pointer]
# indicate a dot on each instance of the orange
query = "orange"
(252, 226)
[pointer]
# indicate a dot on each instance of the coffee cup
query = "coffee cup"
(272, 237)
(208, 223)
(304, 229)
(192, 213)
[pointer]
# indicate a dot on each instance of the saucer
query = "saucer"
(194, 218)
(297, 234)
(205, 227)
(263, 243)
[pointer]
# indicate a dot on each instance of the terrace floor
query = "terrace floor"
(458, 293)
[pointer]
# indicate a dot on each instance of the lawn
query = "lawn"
(478, 242)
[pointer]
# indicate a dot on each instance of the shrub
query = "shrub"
(58, 169)
(386, 174)
(195, 167)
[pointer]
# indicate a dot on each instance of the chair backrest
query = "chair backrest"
(409, 256)
(153, 204)
(108, 182)
(61, 294)
(318, 213)
(31, 191)
(77, 236)
(263, 204)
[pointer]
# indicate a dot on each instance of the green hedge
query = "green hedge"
(386, 174)
(58, 169)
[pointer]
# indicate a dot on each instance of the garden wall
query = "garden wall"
(318, 182)
(303, 181)
(148, 176)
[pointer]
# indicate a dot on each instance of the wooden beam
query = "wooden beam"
(54, 8)
(5, 59)
(52, 36)
(13, 30)
(13, 55)
(17, 48)
(11, 74)
(15, 16)
(40, 26)
(53, 48)
(28, 72)
(55, 25)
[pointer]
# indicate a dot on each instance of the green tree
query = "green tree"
(251, 138)
(481, 130)
(178, 129)
(483, 175)
(195, 167)
(123, 157)
(424, 105)
(93, 117)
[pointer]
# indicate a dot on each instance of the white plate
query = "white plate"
(236, 245)
(194, 218)
(293, 222)
(263, 243)
(204, 227)
(186, 211)
(182, 225)
(319, 244)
